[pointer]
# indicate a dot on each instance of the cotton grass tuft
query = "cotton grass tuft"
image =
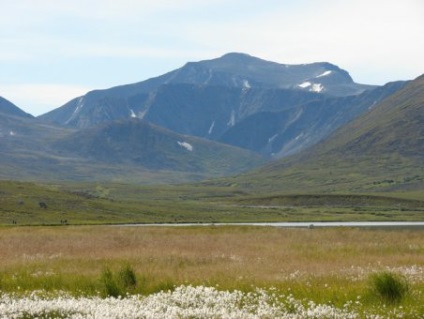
(183, 302)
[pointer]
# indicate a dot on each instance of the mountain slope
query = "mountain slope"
(381, 150)
(131, 151)
(294, 129)
(209, 111)
(8, 108)
(21, 131)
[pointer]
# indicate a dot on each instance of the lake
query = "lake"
(291, 224)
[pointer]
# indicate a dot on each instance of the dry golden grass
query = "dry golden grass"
(215, 255)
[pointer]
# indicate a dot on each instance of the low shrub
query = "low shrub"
(389, 287)
(127, 277)
(120, 283)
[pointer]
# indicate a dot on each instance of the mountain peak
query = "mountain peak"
(233, 60)
(238, 72)
(236, 69)
(236, 55)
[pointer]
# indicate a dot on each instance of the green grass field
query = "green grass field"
(122, 203)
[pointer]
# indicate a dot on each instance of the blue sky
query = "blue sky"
(55, 50)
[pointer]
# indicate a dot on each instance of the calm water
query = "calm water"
(292, 224)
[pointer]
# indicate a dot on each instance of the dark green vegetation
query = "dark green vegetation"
(118, 284)
(391, 288)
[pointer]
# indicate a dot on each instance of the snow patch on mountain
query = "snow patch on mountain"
(299, 136)
(232, 120)
(324, 74)
(272, 138)
(186, 145)
(80, 105)
(313, 87)
(304, 85)
(316, 87)
(211, 128)
(133, 115)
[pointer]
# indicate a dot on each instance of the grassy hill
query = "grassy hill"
(140, 143)
(128, 150)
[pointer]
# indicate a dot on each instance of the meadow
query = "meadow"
(193, 272)
(114, 203)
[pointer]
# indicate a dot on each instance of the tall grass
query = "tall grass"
(110, 286)
(322, 265)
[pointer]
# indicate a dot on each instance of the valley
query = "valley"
(214, 149)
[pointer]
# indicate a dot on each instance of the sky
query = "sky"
(55, 50)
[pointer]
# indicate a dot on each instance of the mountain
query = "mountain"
(172, 129)
(130, 149)
(8, 108)
(234, 70)
(270, 108)
(381, 150)
(242, 70)
(139, 143)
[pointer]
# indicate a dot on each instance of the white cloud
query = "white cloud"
(65, 41)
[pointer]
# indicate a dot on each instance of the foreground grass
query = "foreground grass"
(324, 266)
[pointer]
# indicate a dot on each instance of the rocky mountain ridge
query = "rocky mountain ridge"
(212, 98)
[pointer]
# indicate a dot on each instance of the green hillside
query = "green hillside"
(382, 150)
